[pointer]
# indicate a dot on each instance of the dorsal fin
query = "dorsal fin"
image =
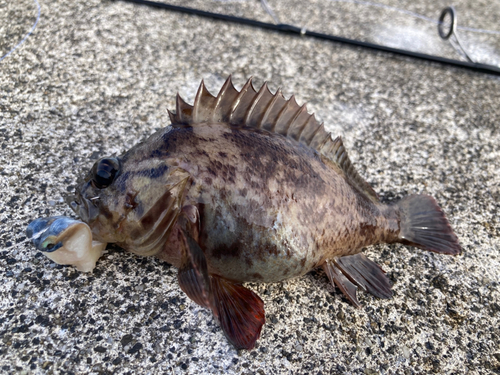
(272, 112)
(335, 151)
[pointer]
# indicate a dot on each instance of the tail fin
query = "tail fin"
(424, 225)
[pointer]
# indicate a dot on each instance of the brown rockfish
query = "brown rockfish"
(248, 186)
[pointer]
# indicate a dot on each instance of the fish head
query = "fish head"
(132, 200)
(65, 241)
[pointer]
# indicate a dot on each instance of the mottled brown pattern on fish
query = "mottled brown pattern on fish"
(272, 203)
(268, 204)
(291, 215)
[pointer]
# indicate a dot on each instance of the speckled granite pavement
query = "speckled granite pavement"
(97, 76)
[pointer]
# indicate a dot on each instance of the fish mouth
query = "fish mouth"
(73, 202)
(86, 208)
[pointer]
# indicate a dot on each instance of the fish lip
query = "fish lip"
(73, 202)
(82, 205)
(90, 211)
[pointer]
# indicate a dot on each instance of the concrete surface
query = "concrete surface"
(97, 76)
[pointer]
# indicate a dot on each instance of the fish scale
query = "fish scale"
(246, 186)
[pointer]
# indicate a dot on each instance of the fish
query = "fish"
(247, 186)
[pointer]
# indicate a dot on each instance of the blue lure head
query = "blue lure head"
(66, 241)
(45, 232)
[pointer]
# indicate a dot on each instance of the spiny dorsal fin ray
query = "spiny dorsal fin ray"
(271, 112)
(204, 105)
(242, 104)
(298, 123)
(286, 116)
(183, 112)
(311, 127)
(224, 103)
(256, 113)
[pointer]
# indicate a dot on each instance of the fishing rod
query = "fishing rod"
(291, 29)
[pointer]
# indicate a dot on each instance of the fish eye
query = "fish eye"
(105, 172)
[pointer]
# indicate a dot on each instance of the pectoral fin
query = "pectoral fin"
(240, 312)
(193, 275)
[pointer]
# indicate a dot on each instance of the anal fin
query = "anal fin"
(239, 311)
(337, 278)
(366, 274)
